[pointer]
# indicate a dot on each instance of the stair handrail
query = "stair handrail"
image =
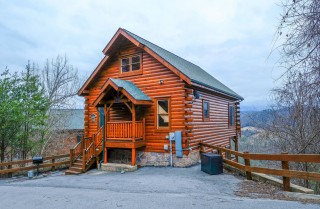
(88, 152)
(98, 138)
(76, 152)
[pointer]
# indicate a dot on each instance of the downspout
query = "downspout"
(103, 145)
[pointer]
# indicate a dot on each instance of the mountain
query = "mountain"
(255, 118)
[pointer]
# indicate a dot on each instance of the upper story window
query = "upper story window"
(130, 64)
(205, 110)
(231, 115)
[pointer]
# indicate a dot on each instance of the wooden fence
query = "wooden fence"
(284, 158)
(23, 165)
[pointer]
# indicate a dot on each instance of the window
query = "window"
(130, 64)
(162, 113)
(231, 115)
(205, 110)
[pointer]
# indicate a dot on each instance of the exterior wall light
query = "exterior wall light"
(93, 117)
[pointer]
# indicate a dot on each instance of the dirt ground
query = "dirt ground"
(254, 189)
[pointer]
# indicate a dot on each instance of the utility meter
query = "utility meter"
(171, 136)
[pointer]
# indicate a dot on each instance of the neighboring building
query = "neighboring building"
(66, 126)
(139, 93)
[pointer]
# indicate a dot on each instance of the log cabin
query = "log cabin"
(149, 107)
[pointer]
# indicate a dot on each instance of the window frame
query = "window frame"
(130, 72)
(157, 127)
(204, 118)
(231, 121)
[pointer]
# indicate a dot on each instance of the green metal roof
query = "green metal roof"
(194, 72)
(132, 89)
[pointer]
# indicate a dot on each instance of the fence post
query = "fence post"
(228, 155)
(53, 160)
(247, 163)
(9, 174)
(219, 150)
(286, 180)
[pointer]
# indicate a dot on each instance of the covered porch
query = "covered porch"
(123, 105)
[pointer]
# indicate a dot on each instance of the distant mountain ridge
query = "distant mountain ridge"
(255, 118)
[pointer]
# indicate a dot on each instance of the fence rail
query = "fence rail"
(47, 162)
(284, 158)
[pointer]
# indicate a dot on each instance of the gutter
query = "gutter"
(238, 97)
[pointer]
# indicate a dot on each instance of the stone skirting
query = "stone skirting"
(123, 156)
(115, 167)
(163, 159)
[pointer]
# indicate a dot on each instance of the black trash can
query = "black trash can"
(211, 163)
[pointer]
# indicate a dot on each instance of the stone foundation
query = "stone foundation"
(163, 159)
(114, 167)
(123, 156)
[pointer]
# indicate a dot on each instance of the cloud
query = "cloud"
(231, 39)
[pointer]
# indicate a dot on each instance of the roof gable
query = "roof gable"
(186, 70)
(194, 72)
(130, 90)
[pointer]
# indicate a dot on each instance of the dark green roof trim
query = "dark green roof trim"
(218, 90)
(132, 89)
(194, 72)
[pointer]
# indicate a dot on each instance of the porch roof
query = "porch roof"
(131, 91)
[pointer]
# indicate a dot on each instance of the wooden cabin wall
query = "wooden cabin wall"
(119, 112)
(216, 129)
(148, 82)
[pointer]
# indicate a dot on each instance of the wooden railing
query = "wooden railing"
(23, 165)
(76, 152)
(284, 158)
(89, 153)
(122, 130)
(98, 138)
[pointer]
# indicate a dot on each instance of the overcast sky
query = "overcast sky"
(231, 39)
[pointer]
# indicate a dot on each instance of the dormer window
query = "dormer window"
(130, 64)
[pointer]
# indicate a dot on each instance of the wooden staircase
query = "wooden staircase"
(76, 167)
(85, 153)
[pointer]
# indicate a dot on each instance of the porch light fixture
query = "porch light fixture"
(93, 117)
(160, 82)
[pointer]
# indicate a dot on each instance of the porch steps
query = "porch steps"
(76, 168)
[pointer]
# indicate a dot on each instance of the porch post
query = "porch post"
(105, 154)
(236, 146)
(133, 122)
(105, 158)
(133, 157)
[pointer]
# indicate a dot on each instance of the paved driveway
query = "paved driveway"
(146, 188)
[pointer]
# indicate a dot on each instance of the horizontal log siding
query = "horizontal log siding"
(214, 131)
(148, 82)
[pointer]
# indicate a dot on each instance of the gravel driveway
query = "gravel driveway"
(148, 187)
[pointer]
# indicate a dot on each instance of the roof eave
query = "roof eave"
(237, 97)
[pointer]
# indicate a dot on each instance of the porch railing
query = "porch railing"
(122, 130)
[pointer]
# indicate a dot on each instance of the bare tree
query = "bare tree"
(295, 122)
(299, 37)
(61, 82)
